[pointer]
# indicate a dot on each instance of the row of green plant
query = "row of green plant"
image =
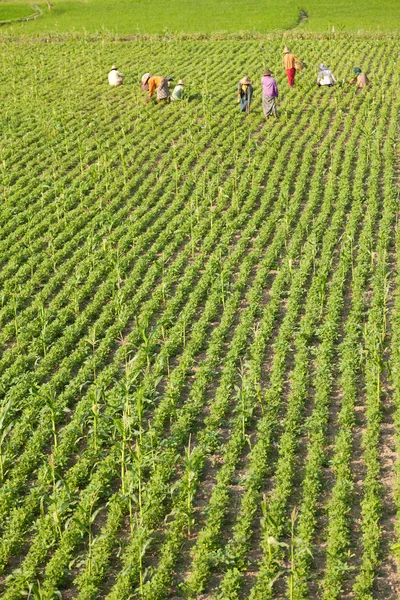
(169, 282)
(206, 549)
(350, 351)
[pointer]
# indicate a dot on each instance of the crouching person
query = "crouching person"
(161, 86)
(144, 84)
(325, 77)
(115, 78)
(178, 93)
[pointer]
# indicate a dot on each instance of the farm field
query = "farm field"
(200, 325)
(199, 16)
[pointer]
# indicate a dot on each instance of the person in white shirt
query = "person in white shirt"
(115, 78)
(325, 76)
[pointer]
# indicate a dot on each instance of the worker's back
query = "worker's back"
(362, 80)
(289, 60)
(115, 78)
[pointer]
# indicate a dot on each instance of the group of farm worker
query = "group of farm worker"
(161, 85)
(270, 87)
(269, 94)
(326, 77)
(151, 84)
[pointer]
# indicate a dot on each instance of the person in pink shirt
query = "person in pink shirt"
(269, 94)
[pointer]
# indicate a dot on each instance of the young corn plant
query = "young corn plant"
(86, 526)
(50, 399)
(44, 323)
(296, 548)
(35, 591)
(92, 341)
(5, 427)
(95, 416)
(189, 483)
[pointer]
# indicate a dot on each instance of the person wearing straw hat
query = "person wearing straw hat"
(362, 79)
(245, 94)
(269, 94)
(325, 76)
(144, 85)
(177, 94)
(115, 78)
(290, 61)
(161, 85)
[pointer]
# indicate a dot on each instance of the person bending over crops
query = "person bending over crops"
(178, 92)
(291, 65)
(161, 85)
(115, 78)
(245, 94)
(269, 94)
(361, 79)
(144, 85)
(325, 76)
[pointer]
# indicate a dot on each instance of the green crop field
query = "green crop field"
(200, 324)
(206, 16)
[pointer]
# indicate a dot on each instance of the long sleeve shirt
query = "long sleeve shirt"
(154, 82)
(326, 77)
(245, 92)
(269, 86)
(289, 60)
(115, 77)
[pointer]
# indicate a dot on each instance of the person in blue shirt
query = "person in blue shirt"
(245, 93)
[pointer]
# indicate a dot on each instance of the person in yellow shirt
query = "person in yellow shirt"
(290, 61)
(245, 94)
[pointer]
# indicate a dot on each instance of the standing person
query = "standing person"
(269, 94)
(161, 85)
(115, 78)
(325, 76)
(245, 93)
(177, 94)
(362, 79)
(145, 82)
(290, 61)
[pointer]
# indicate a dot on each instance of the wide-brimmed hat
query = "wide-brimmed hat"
(286, 50)
(145, 78)
(168, 78)
(113, 68)
(181, 82)
(267, 72)
(245, 81)
(322, 67)
(357, 70)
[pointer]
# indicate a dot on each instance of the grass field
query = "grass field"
(146, 16)
(10, 11)
(200, 325)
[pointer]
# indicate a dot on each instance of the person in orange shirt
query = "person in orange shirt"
(290, 60)
(161, 84)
